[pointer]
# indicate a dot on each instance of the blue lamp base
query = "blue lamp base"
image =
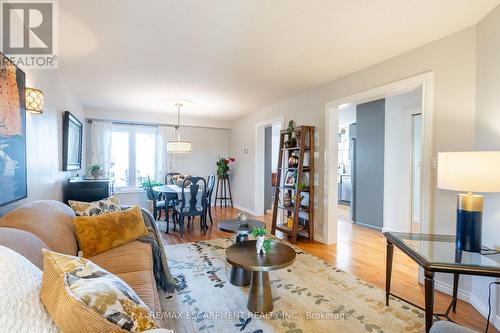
(469, 222)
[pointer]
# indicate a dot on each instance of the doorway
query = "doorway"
(424, 83)
(266, 159)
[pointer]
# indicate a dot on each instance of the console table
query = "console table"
(437, 254)
(89, 189)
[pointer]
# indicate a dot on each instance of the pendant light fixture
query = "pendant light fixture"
(178, 146)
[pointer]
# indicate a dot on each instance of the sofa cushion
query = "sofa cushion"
(49, 220)
(24, 243)
(144, 285)
(80, 296)
(22, 309)
(100, 233)
(108, 205)
(131, 257)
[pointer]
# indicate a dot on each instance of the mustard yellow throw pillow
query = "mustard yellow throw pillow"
(108, 205)
(100, 233)
(82, 297)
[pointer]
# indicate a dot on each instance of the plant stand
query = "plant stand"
(221, 191)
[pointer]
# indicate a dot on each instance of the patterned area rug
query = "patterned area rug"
(309, 296)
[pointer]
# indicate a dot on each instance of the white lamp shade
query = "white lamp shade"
(179, 146)
(477, 171)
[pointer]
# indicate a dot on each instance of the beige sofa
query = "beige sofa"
(49, 224)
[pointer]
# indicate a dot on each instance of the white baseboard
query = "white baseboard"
(247, 210)
(469, 298)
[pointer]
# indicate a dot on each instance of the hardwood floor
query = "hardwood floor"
(360, 251)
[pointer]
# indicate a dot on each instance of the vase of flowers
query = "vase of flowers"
(223, 166)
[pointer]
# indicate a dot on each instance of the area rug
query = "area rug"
(311, 295)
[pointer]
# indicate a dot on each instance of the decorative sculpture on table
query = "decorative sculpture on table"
(242, 219)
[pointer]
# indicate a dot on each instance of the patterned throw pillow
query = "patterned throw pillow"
(82, 297)
(108, 205)
(100, 233)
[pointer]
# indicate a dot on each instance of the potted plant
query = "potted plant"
(291, 140)
(96, 171)
(223, 166)
(263, 245)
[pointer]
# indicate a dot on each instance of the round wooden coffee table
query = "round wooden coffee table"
(244, 255)
(240, 276)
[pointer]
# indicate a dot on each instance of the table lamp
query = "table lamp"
(477, 171)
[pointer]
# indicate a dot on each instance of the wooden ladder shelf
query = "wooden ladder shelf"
(296, 182)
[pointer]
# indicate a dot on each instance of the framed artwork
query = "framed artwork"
(13, 168)
(290, 178)
(72, 142)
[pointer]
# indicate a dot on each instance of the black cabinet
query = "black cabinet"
(89, 189)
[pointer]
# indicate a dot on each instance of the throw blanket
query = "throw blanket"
(163, 278)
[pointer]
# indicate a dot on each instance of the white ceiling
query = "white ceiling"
(235, 56)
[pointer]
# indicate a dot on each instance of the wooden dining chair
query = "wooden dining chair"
(210, 190)
(158, 204)
(193, 202)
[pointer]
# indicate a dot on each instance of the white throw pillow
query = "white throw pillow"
(21, 309)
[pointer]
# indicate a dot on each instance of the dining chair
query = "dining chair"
(193, 202)
(158, 205)
(210, 190)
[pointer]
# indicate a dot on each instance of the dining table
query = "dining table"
(171, 189)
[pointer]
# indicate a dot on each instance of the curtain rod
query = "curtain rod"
(115, 122)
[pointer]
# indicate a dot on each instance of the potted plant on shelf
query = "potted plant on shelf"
(263, 245)
(96, 171)
(291, 141)
(223, 166)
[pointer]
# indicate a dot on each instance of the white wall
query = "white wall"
(451, 59)
(208, 145)
(488, 138)
(397, 159)
(46, 179)
(347, 115)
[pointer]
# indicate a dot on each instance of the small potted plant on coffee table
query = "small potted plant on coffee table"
(263, 245)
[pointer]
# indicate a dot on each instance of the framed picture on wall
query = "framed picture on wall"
(72, 142)
(13, 168)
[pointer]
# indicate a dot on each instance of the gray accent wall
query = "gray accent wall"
(370, 128)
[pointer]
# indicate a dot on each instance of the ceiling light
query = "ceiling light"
(178, 146)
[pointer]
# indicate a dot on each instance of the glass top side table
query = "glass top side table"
(437, 254)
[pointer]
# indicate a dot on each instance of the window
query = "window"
(133, 154)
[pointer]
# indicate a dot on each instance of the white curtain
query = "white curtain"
(100, 149)
(165, 161)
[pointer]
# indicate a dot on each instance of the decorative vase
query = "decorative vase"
(95, 175)
(259, 244)
(287, 200)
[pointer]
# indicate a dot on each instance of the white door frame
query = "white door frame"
(426, 80)
(260, 157)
